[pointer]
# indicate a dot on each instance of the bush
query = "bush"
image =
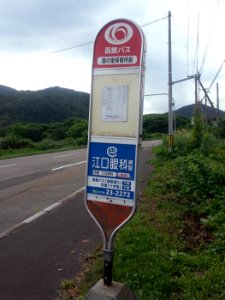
(48, 144)
(199, 177)
(208, 143)
(33, 132)
(194, 176)
(198, 128)
(14, 142)
(78, 129)
(183, 143)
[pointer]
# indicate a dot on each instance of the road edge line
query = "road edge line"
(39, 214)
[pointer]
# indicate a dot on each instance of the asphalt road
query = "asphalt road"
(37, 255)
(31, 184)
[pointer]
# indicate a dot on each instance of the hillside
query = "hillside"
(153, 123)
(54, 104)
(188, 110)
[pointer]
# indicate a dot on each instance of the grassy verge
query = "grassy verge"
(13, 153)
(174, 247)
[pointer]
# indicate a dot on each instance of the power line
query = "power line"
(207, 45)
(157, 20)
(70, 48)
(186, 46)
(217, 74)
(197, 44)
(91, 42)
(188, 36)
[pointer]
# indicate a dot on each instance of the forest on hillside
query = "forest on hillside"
(57, 118)
(44, 106)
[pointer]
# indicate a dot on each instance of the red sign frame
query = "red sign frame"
(118, 45)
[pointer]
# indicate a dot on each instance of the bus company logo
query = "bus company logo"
(118, 33)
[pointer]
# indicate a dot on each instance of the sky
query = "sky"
(47, 43)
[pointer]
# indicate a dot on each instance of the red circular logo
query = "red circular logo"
(118, 33)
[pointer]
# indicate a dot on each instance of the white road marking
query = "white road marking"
(70, 165)
(7, 166)
(34, 217)
(59, 156)
(39, 214)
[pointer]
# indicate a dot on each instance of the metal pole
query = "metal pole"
(108, 255)
(170, 83)
(217, 102)
(174, 117)
(196, 90)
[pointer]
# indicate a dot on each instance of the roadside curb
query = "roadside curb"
(5, 233)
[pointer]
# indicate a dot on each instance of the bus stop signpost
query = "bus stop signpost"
(115, 125)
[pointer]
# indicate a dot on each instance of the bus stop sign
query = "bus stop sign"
(115, 125)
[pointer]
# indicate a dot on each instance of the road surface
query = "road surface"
(31, 184)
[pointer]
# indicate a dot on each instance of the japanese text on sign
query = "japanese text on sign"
(117, 50)
(113, 164)
(117, 60)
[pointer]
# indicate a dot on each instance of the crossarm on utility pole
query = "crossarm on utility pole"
(184, 79)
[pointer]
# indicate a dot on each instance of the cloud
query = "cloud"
(34, 25)
(31, 29)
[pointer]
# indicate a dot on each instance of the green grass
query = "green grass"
(155, 262)
(5, 154)
(174, 247)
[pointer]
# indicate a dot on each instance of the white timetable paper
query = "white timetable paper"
(115, 103)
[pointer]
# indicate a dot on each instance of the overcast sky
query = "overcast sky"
(32, 30)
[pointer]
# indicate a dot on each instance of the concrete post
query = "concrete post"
(116, 291)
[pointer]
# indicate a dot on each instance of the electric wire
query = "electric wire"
(195, 61)
(205, 53)
(188, 28)
(210, 35)
(186, 47)
(70, 48)
(157, 20)
(217, 74)
(197, 43)
(91, 42)
(214, 79)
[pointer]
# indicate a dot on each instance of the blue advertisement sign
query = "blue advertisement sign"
(111, 172)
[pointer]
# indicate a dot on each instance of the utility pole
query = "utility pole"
(217, 103)
(196, 90)
(170, 83)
